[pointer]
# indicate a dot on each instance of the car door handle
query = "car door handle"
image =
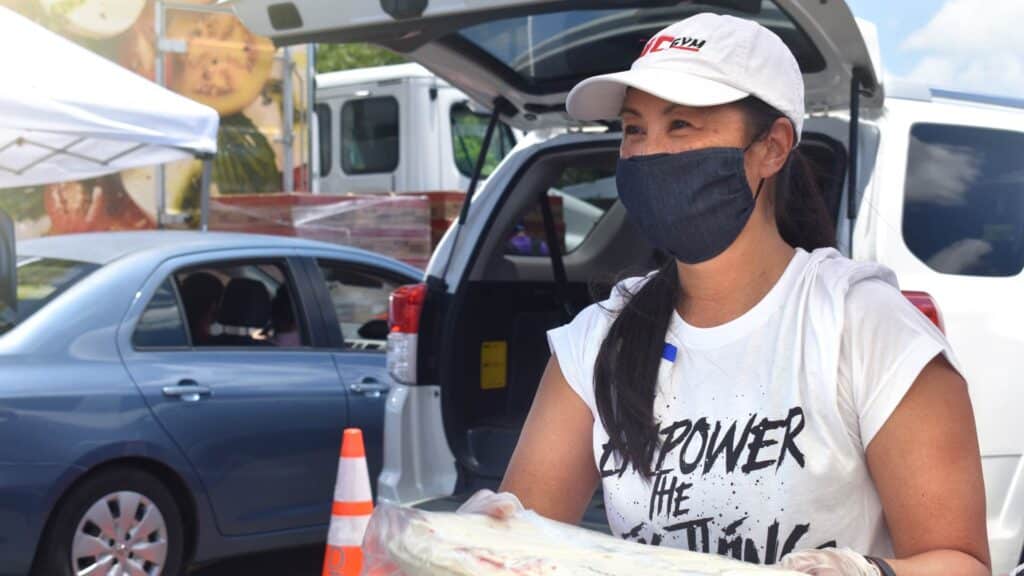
(369, 386)
(187, 390)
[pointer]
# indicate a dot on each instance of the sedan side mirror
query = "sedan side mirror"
(8, 272)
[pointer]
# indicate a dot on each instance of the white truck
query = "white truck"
(398, 128)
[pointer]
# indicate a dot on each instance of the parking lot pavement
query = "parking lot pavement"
(307, 561)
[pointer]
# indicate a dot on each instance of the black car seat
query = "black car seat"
(245, 304)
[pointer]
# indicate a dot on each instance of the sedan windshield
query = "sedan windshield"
(40, 280)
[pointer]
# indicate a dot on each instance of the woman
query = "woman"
(759, 396)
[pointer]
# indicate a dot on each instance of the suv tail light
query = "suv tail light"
(403, 330)
(927, 305)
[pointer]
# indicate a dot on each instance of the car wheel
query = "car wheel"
(119, 522)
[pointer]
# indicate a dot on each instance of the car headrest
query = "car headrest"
(246, 303)
(200, 293)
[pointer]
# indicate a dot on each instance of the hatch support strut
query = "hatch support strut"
(857, 84)
(481, 158)
(501, 106)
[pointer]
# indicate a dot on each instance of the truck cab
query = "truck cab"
(398, 128)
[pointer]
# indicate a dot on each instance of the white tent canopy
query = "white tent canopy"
(67, 113)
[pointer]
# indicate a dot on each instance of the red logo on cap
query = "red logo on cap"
(660, 43)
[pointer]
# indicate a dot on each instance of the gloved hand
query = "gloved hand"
(502, 505)
(829, 562)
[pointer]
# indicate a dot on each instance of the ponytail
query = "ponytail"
(800, 211)
(626, 369)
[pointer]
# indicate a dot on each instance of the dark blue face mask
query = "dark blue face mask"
(691, 204)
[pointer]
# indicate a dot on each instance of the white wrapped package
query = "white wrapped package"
(408, 542)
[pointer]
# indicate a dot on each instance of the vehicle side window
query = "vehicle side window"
(241, 304)
(360, 300)
(579, 199)
(468, 131)
(161, 324)
(369, 135)
(964, 200)
(323, 118)
(41, 280)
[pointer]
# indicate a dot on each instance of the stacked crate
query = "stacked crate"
(406, 227)
(394, 225)
(444, 209)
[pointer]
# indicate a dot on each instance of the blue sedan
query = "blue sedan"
(168, 398)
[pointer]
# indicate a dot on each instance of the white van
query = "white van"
(398, 129)
(938, 195)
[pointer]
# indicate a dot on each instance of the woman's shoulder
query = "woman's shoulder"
(861, 301)
(577, 344)
(625, 289)
(591, 325)
(838, 276)
(836, 283)
(600, 315)
(835, 289)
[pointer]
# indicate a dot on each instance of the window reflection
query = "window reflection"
(964, 200)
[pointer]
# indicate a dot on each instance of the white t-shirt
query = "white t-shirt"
(764, 420)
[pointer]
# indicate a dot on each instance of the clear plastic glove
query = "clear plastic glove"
(830, 562)
(501, 505)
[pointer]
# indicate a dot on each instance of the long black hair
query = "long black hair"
(626, 369)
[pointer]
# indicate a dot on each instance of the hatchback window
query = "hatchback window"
(964, 200)
(40, 280)
(161, 325)
(558, 49)
(468, 131)
(579, 199)
(369, 135)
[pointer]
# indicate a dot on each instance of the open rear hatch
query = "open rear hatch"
(521, 58)
(532, 52)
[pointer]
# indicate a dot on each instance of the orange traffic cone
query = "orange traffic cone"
(353, 505)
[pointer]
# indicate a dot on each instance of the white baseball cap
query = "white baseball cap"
(705, 60)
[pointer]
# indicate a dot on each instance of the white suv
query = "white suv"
(939, 198)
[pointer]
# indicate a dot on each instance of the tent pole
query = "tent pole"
(312, 140)
(204, 194)
(159, 27)
(8, 272)
(288, 105)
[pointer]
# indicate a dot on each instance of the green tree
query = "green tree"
(332, 57)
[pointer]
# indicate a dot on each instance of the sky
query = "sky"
(967, 45)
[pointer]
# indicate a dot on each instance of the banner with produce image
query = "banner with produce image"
(211, 58)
